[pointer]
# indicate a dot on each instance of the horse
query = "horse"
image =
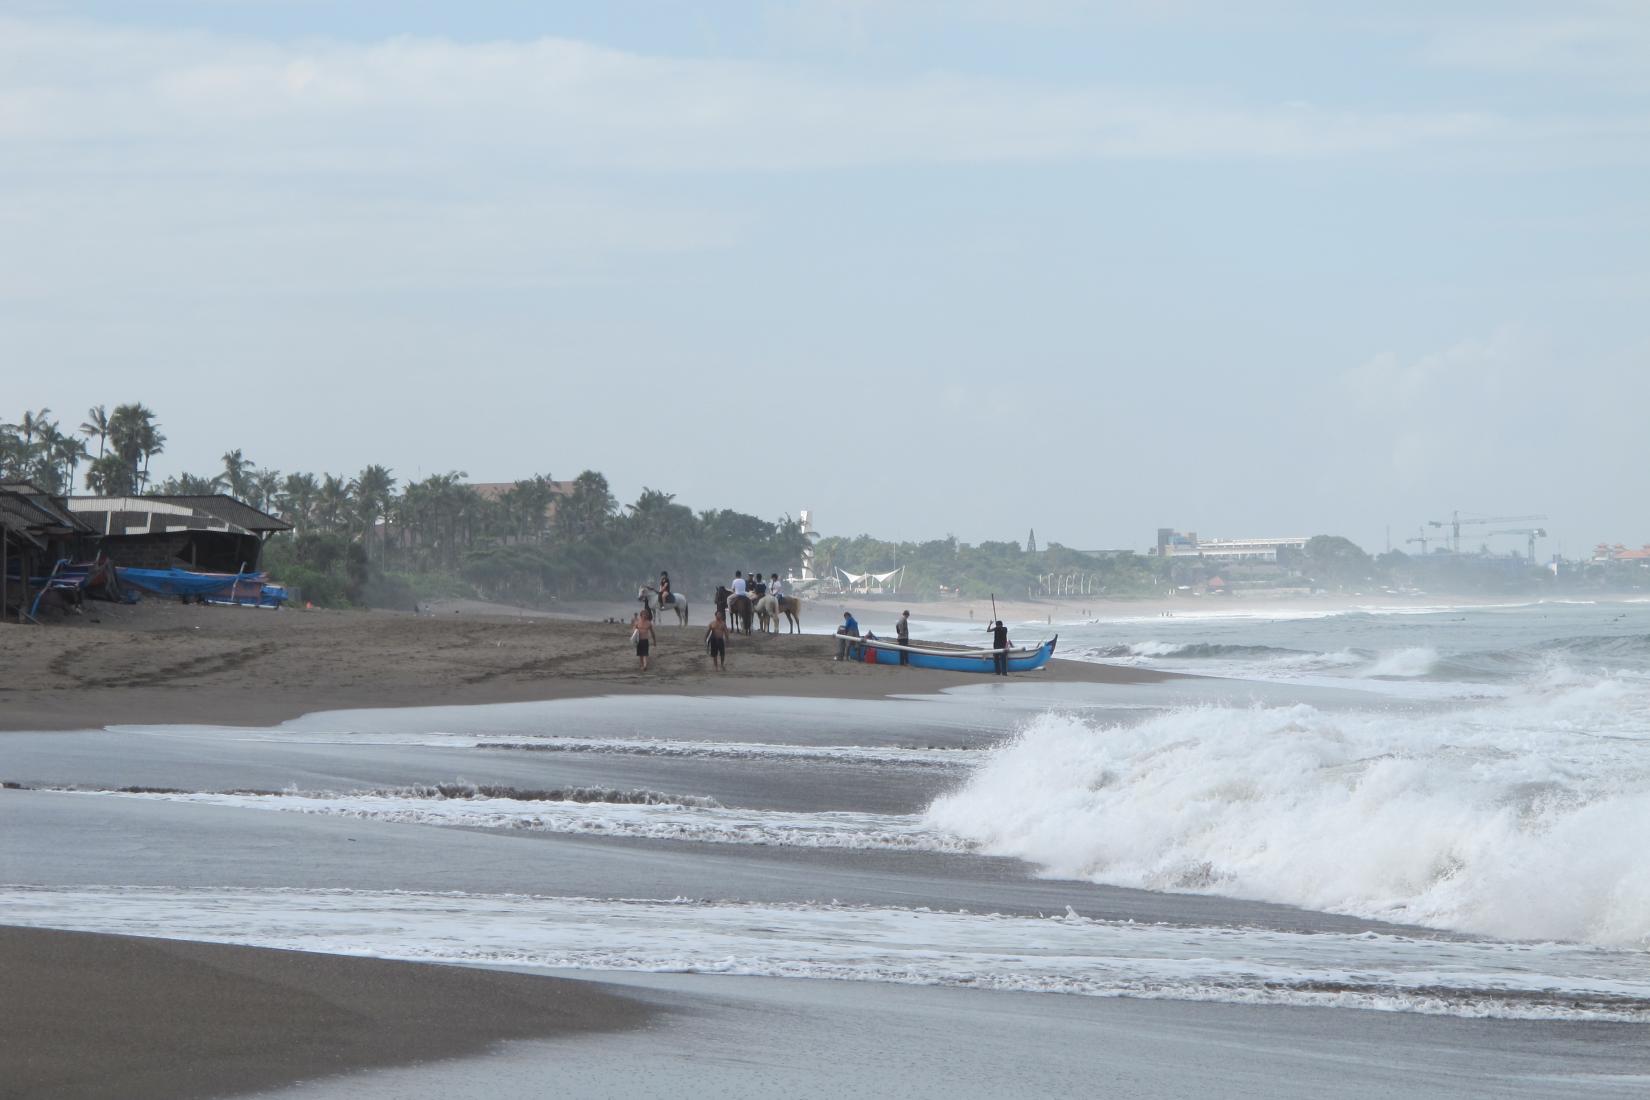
(739, 614)
(792, 607)
(649, 597)
(767, 614)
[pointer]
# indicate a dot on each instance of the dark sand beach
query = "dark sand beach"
(679, 861)
(170, 663)
(112, 1016)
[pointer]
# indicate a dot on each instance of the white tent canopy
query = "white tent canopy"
(864, 581)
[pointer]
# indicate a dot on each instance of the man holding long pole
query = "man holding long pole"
(999, 646)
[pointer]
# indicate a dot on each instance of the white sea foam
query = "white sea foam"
(1403, 663)
(915, 756)
(1064, 953)
(1527, 818)
(658, 817)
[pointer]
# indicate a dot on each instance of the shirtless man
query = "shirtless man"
(645, 638)
(716, 637)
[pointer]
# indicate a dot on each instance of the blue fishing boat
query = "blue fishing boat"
(875, 651)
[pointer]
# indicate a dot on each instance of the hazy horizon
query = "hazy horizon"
(923, 269)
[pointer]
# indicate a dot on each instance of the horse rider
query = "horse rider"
(774, 588)
(665, 595)
(738, 583)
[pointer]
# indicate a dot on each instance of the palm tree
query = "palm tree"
(32, 424)
(43, 468)
(96, 423)
(69, 452)
(373, 489)
(135, 437)
(298, 493)
(237, 473)
(332, 502)
(266, 482)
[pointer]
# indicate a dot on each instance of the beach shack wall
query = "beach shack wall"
(211, 533)
(37, 530)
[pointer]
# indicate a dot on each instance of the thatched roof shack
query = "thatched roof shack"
(215, 533)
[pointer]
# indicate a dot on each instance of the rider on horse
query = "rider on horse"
(664, 588)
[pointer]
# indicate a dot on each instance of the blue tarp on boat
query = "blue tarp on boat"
(181, 582)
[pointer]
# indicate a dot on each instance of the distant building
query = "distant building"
(1176, 544)
(495, 491)
(1604, 552)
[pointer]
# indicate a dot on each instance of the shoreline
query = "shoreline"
(173, 664)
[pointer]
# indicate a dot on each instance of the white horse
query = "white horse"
(767, 614)
(649, 598)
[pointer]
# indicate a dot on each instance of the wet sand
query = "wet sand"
(114, 1016)
(159, 662)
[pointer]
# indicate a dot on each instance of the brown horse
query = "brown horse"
(736, 610)
(739, 614)
(791, 606)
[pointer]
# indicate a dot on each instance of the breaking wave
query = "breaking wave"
(583, 811)
(1526, 818)
(1060, 953)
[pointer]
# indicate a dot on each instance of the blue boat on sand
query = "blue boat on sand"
(876, 651)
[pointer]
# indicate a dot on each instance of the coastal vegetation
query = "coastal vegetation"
(371, 539)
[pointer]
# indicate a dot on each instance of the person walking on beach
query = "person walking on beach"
(716, 637)
(999, 646)
(902, 631)
(848, 629)
(642, 633)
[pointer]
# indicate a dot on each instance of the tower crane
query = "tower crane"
(1423, 538)
(1457, 521)
(1533, 533)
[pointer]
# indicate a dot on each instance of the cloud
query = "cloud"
(1602, 42)
(1456, 414)
(579, 104)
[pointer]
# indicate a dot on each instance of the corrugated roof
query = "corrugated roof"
(217, 505)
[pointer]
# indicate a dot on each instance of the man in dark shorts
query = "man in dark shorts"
(902, 632)
(999, 643)
(643, 633)
(716, 637)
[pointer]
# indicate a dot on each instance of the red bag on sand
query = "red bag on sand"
(870, 656)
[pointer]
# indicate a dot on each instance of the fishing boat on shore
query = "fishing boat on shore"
(876, 651)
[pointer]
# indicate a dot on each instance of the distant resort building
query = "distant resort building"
(1606, 553)
(1176, 544)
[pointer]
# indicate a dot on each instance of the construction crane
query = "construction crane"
(1456, 521)
(1533, 533)
(1423, 538)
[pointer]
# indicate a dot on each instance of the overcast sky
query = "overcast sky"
(922, 267)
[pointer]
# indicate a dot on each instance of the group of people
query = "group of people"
(849, 630)
(716, 634)
(756, 587)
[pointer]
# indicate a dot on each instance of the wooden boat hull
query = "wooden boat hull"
(878, 651)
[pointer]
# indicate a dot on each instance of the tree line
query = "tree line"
(368, 537)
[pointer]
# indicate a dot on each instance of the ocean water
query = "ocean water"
(1443, 811)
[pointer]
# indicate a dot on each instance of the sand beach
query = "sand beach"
(474, 852)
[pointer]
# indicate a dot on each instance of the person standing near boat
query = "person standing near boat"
(902, 631)
(848, 629)
(999, 646)
(716, 637)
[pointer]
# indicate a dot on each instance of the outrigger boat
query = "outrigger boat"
(876, 651)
